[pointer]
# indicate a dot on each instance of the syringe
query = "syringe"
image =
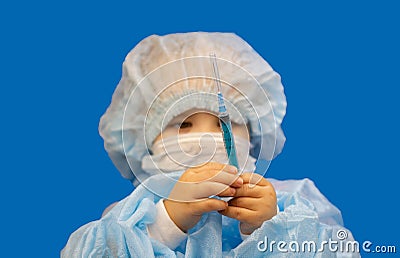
(224, 120)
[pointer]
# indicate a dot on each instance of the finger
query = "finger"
(239, 213)
(190, 192)
(228, 192)
(249, 203)
(206, 189)
(217, 166)
(254, 179)
(217, 175)
(225, 178)
(211, 204)
(250, 190)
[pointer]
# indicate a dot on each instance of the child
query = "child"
(162, 133)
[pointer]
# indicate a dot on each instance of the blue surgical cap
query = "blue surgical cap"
(165, 76)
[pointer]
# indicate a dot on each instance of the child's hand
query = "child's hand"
(188, 199)
(254, 203)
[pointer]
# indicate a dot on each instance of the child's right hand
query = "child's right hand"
(188, 199)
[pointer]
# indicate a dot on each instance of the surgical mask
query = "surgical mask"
(183, 151)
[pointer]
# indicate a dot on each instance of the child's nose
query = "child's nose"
(208, 127)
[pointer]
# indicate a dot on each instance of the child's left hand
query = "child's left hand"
(253, 203)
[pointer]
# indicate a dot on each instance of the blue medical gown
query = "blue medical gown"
(305, 215)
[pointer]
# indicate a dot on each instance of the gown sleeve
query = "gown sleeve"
(121, 232)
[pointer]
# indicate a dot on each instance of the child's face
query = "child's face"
(196, 122)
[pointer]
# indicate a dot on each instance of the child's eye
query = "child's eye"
(185, 125)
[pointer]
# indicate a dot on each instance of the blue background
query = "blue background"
(60, 63)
